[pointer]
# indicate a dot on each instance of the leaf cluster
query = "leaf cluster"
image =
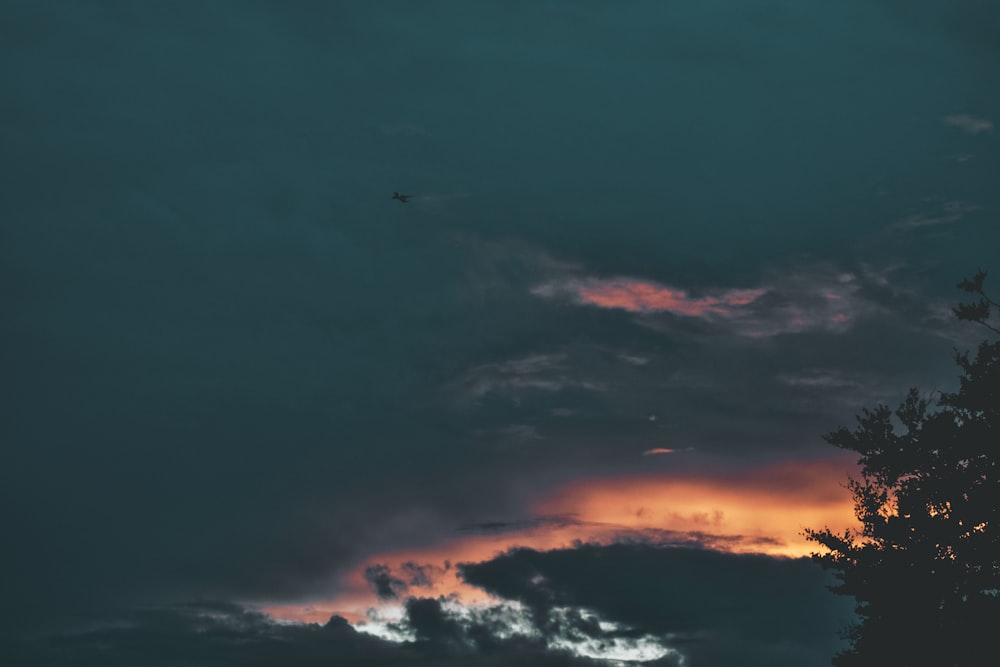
(978, 311)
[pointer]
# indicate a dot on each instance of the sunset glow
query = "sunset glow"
(760, 511)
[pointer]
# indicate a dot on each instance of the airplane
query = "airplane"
(402, 198)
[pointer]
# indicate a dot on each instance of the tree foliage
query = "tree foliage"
(924, 568)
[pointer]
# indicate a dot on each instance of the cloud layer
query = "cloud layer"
(565, 607)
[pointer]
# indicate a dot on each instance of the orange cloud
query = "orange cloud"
(640, 296)
(760, 511)
(763, 511)
(658, 450)
(813, 299)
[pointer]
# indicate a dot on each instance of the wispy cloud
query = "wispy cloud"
(658, 450)
(968, 123)
(493, 527)
(634, 359)
(642, 296)
(820, 379)
(950, 212)
(809, 299)
(539, 372)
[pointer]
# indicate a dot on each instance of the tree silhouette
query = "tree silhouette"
(925, 566)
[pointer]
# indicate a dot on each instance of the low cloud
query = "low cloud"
(228, 635)
(588, 605)
(702, 607)
(568, 633)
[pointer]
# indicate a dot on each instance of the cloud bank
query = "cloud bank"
(625, 603)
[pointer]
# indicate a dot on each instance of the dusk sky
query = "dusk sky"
(564, 406)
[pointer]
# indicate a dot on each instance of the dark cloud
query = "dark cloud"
(386, 586)
(421, 575)
(224, 635)
(203, 633)
(488, 527)
(664, 605)
(716, 608)
(429, 621)
(410, 575)
(497, 632)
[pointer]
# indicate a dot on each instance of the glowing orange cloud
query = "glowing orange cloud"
(643, 296)
(812, 300)
(764, 511)
(760, 511)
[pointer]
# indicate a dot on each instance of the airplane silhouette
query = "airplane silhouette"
(402, 198)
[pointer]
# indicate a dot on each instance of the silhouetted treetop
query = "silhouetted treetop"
(976, 311)
(925, 566)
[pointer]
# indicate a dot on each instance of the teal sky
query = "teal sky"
(233, 369)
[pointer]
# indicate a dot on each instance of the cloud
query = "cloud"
(658, 450)
(811, 298)
(216, 634)
(773, 502)
(420, 575)
(568, 634)
(834, 386)
(640, 296)
(969, 124)
(386, 586)
(715, 609)
(508, 526)
(539, 372)
(634, 359)
(429, 622)
(950, 212)
(586, 605)
(762, 511)
(823, 379)
(228, 635)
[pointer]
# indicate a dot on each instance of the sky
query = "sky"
(564, 406)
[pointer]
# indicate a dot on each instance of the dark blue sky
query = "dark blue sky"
(234, 370)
